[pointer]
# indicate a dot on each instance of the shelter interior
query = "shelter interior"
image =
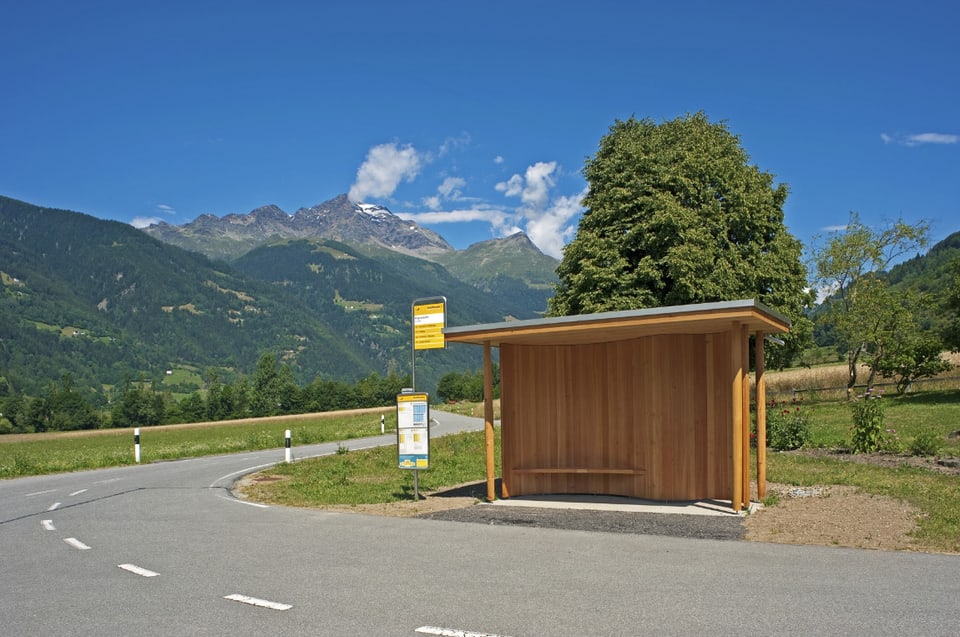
(652, 404)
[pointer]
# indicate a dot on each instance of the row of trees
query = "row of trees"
(270, 391)
(456, 386)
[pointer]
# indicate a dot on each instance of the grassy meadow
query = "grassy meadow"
(57, 452)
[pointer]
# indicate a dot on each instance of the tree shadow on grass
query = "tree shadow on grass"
(945, 397)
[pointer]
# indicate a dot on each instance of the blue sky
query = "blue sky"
(472, 118)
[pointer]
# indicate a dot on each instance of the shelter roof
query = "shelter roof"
(701, 318)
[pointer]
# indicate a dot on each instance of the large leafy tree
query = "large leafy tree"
(676, 214)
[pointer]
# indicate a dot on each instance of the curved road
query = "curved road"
(163, 549)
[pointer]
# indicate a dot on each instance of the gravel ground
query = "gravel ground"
(672, 524)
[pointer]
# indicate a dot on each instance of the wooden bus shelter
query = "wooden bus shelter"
(651, 404)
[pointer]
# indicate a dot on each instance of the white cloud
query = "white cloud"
(534, 187)
(546, 222)
(170, 210)
(452, 143)
(932, 138)
(494, 216)
(498, 159)
(143, 222)
(450, 188)
(824, 292)
(512, 187)
(834, 228)
(552, 229)
(385, 167)
(918, 139)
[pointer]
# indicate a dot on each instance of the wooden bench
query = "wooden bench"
(583, 471)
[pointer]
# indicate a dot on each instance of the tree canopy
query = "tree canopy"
(676, 214)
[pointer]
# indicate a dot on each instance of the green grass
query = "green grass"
(907, 416)
(371, 476)
(36, 454)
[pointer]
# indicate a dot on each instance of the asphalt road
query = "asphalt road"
(163, 549)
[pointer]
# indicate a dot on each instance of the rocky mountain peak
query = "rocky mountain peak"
(339, 219)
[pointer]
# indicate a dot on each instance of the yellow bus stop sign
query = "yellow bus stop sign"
(429, 319)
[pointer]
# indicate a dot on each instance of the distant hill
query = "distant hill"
(509, 268)
(931, 273)
(102, 301)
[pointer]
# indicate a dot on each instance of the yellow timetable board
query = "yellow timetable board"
(413, 431)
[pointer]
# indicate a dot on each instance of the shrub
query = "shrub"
(868, 422)
(926, 443)
(787, 426)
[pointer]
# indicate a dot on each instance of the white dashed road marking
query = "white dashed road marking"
(48, 525)
(253, 601)
(452, 632)
(53, 506)
(136, 570)
(30, 495)
(75, 543)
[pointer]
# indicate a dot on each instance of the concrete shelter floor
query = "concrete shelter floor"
(619, 503)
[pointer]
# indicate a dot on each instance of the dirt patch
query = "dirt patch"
(841, 515)
(833, 516)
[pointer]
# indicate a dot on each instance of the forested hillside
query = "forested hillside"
(101, 301)
(93, 304)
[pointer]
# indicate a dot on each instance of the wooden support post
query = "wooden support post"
(761, 401)
(488, 421)
(736, 416)
(745, 413)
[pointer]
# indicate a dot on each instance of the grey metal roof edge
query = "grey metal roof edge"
(602, 316)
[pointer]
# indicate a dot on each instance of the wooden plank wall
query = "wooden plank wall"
(647, 417)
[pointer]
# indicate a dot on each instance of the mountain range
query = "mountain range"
(329, 289)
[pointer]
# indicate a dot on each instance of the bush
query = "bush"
(927, 443)
(868, 422)
(787, 426)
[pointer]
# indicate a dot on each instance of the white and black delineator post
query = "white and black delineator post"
(136, 444)
(286, 446)
(382, 425)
